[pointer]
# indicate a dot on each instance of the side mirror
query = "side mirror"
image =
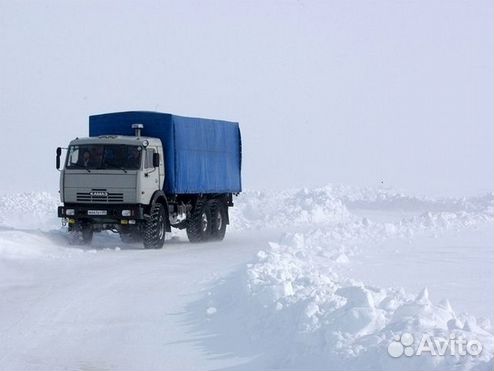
(156, 159)
(59, 152)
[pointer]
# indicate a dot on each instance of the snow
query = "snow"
(323, 278)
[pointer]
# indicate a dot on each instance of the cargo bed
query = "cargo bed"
(201, 155)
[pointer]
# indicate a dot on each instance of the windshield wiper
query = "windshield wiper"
(113, 166)
(110, 165)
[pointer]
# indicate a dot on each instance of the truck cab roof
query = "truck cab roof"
(117, 139)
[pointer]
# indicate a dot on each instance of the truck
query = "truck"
(141, 173)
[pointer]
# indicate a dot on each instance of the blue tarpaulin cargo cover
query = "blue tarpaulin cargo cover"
(201, 155)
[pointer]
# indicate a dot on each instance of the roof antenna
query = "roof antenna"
(137, 128)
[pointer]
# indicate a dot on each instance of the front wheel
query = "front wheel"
(87, 235)
(80, 234)
(154, 231)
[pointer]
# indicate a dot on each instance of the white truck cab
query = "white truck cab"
(118, 169)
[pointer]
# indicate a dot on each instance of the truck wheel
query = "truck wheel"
(199, 226)
(218, 220)
(154, 232)
(80, 235)
(87, 235)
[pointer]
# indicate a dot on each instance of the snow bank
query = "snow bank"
(304, 313)
(312, 318)
(333, 204)
(286, 209)
(29, 211)
(30, 227)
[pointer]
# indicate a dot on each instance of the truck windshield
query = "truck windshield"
(104, 156)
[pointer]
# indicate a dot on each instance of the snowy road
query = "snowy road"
(114, 309)
(338, 273)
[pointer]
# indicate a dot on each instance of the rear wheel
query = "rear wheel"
(218, 219)
(154, 232)
(199, 226)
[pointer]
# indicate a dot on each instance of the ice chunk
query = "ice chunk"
(210, 311)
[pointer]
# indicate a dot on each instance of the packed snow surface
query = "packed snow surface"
(325, 278)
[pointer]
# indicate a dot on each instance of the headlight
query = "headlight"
(126, 213)
(69, 212)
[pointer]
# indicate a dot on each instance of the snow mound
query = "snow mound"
(258, 210)
(333, 204)
(29, 211)
(312, 318)
(30, 227)
(303, 313)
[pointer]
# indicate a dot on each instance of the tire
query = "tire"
(218, 220)
(87, 235)
(155, 228)
(80, 235)
(199, 225)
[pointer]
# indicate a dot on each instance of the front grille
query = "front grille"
(108, 198)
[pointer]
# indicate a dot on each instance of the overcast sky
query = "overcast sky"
(398, 93)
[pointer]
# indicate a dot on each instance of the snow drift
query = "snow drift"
(295, 302)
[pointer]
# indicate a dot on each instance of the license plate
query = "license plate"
(97, 212)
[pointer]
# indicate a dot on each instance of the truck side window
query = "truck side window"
(73, 155)
(149, 158)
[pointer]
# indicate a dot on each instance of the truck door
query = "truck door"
(150, 176)
(159, 149)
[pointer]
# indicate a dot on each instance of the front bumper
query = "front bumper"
(102, 212)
